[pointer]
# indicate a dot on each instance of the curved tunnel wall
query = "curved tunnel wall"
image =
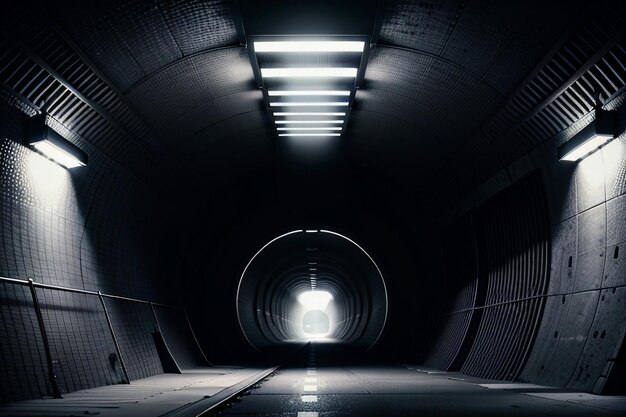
(268, 306)
(576, 339)
(82, 230)
(494, 302)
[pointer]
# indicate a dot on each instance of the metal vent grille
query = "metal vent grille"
(517, 247)
(558, 96)
(461, 287)
(43, 71)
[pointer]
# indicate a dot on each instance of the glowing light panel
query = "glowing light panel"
(281, 93)
(308, 128)
(283, 122)
(309, 113)
(309, 104)
(58, 155)
(325, 72)
(587, 147)
(310, 134)
(309, 46)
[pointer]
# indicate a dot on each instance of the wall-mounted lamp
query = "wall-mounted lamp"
(52, 145)
(591, 138)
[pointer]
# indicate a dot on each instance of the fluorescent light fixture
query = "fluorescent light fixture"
(284, 122)
(323, 113)
(309, 46)
(587, 147)
(56, 154)
(311, 231)
(591, 138)
(315, 300)
(308, 128)
(324, 72)
(310, 134)
(309, 398)
(54, 146)
(311, 104)
(286, 93)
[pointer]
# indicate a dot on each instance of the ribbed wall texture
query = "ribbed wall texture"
(580, 342)
(494, 295)
(516, 232)
(460, 287)
(92, 228)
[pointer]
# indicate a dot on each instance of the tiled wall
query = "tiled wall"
(91, 228)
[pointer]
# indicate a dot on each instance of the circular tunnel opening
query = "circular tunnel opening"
(312, 285)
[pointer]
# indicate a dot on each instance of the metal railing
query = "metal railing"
(56, 390)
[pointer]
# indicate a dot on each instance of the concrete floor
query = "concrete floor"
(315, 389)
(165, 394)
(323, 381)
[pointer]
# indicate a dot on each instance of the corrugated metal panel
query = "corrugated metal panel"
(460, 292)
(516, 230)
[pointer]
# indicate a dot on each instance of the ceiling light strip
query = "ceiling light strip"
(283, 122)
(325, 72)
(311, 104)
(310, 134)
(309, 46)
(309, 128)
(281, 93)
(309, 113)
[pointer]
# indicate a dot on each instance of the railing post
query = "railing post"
(56, 391)
(156, 321)
(195, 338)
(117, 346)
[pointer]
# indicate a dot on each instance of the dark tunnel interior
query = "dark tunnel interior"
(312, 208)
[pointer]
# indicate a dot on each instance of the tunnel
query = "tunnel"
(312, 208)
(312, 285)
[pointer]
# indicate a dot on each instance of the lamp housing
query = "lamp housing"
(52, 145)
(591, 138)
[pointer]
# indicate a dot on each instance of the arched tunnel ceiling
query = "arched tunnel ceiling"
(436, 76)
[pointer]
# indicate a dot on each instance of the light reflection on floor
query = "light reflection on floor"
(318, 387)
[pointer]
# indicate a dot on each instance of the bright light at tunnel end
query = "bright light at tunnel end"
(315, 300)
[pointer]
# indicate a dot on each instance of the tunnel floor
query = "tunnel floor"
(322, 380)
(315, 386)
